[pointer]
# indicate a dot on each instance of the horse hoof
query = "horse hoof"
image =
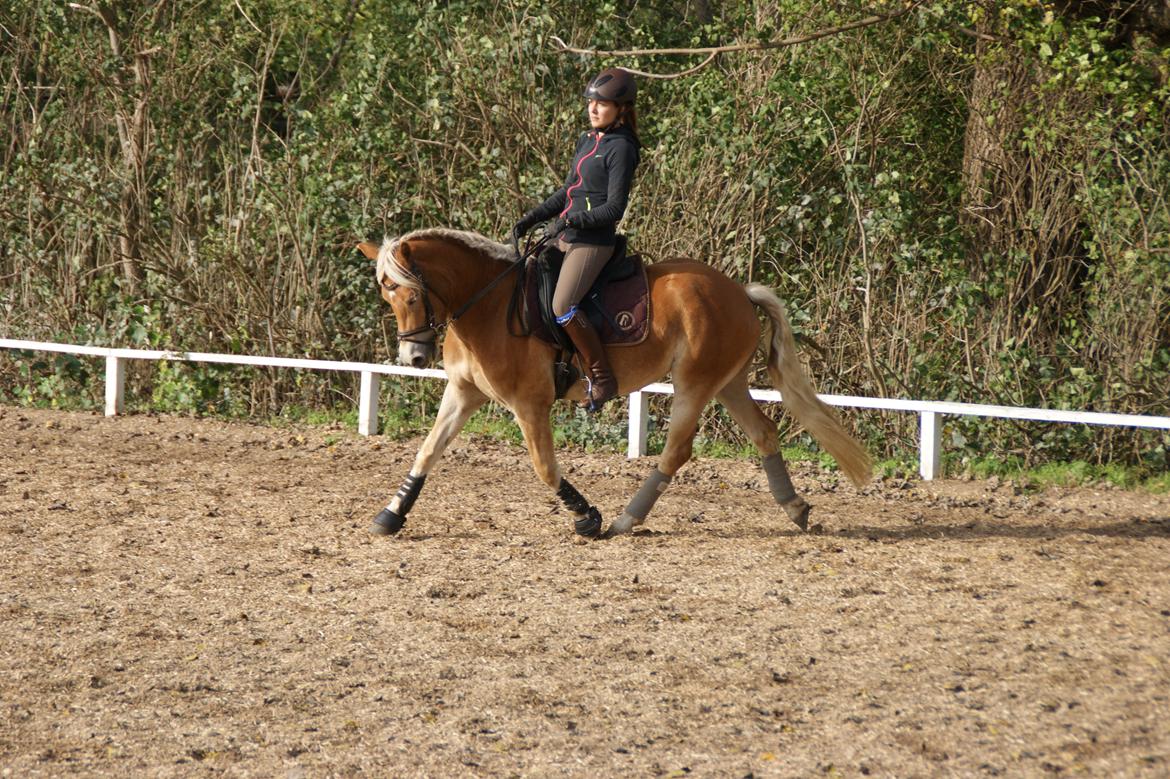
(589, 525)
(622, 525)
(387, 523)
(798, 512)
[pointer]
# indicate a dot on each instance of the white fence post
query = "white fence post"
(639, 424)
(115, 384)
(929, 445)
(368, 404)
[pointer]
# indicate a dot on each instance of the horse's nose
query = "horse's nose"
(418, 361)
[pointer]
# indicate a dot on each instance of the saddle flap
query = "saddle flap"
(618, 304)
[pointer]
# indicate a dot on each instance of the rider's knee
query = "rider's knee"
(563, 308)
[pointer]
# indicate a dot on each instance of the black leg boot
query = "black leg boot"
(601, 383)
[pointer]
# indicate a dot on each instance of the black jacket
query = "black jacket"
(597, 188)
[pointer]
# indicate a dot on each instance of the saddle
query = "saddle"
(618, 303)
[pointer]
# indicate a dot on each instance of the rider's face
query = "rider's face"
(602, 113)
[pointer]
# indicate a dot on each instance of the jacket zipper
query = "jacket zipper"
(580, 178)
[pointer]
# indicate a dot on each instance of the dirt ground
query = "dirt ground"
(187, 597)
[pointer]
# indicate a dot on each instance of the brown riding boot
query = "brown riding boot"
(601, 385)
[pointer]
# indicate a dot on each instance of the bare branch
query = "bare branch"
(86, 8)
(679, 74)
(976, 34)
(248, 18)
(714, 51)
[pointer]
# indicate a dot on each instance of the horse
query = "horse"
(443, 284)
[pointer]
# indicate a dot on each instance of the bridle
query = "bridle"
(435, 327)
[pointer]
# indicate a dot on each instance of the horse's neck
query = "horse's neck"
(482, 327)
(458, 274)
(463, 274)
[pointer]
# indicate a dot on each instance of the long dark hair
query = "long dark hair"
(628, 116)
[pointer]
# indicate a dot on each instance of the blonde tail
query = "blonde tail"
(799, 396)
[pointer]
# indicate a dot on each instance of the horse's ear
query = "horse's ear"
(369, 249)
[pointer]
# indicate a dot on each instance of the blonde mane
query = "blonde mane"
(387, 268)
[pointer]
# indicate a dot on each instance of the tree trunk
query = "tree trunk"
(701, 11)
(1019, 204)
(994, 169)
(133, 136)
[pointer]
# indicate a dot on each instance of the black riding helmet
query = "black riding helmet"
(613, 84)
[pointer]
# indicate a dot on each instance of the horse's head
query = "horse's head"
(431, 276)
(404, 288)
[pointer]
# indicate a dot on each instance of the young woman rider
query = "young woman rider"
(586, 210)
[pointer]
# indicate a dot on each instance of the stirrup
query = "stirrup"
(591, 404)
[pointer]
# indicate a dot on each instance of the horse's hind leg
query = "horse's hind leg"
(762, 431)
(680, 439)
(537, 431)
(460, 401)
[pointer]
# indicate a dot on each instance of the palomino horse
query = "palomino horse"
(704, 332)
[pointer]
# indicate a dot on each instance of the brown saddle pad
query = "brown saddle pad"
(619, 310)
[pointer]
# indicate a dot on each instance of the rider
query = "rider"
(587, 209)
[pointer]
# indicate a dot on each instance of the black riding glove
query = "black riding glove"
(556, 227)
(521, 228)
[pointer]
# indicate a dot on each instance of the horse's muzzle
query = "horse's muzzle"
(416, 355)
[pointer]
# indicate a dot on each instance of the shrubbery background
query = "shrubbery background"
(967, 203)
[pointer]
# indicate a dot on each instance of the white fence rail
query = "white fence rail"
(929, 411)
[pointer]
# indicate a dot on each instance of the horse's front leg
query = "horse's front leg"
(460, 401)
(537, 431)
